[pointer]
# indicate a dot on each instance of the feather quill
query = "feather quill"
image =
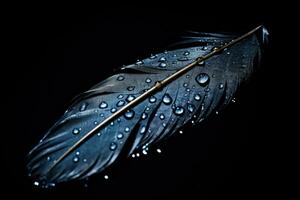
(92, 133)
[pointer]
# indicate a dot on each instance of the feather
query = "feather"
(77, 147)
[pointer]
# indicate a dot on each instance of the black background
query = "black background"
(58, 53)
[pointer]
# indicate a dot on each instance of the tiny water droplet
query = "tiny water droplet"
(162, 59)
(167, 99)
(205, 48)
(83, 107)
(84, 160)
(162, 65)
(120, 136)
(133, 155)
(147, 108)
(179, 110)
(111, 123)
(221, 86)
(202, 63)
(121, 103)
(48, 158)
(144, 115)
(36, 183)
(98, 134)
(193, 122)
(186, 53)
(191, 108)
(102, 115)
(202, 79)
(185, 85)
(127, 129)
(180, 132)
(106, 177)
(113, 110)
(137, 155)
(95, 122)
(120, 96)
(76, 131)
(75, 159)
(233, 100)
(143, 130)
(130, 98)
(164, 124)
(129, 114)
(153, 56)
(148, 80)
(113, 146)
(187, 76)
(130, 88)
(217, 112)
(120, 78)
(158, 150)
(207, 90)
(152, 99)
(103, 105)
(188, 89)
(144, 152)
(228, 53)
(139, 62)
(77, 153)
(162, 116)
(183, 59)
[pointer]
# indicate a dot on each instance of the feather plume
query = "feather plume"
(191, 98)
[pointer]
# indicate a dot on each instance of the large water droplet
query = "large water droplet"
(76, 131)
(120, 78)
(83, 107)
(75, 159)
(148, 80)
(162, 65)
(121, 103)
(191, 108)
(179, 110)
(129, 114)
(152, 99)
(113, 146)
(197, 97)
(130, 98)
(144, 115)
(202, 79)
(167, 99)
(120, 135)
(103, 105)
(162, 116)
(130, 88)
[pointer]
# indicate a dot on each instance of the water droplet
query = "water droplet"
(106, 177)
(204, 48)
(162, 65)
(36, 183)
(121, 103)
(164, 124)
(179, 110)
(153, 56)
(103, 105)
(143, 130)
(186, 53)
(83, 107)
(77, 153)
(102, 115)
(158, 150)
(48, 158)
(202, 63)
(147, 108)
(113, 110)
(193, 122)
(183, 59)
(130, 88)
(217, 112)
(162, 116)
(130, 98)
(185, 85)
(207, 90)
(127, 129)
(84, 160)
(120, 96)
(244, 66)
(139, 62)
(202, 79)
(167, 99)
(111, 123)
(120, 136)
(144, 115)
(187, 76)
(98, 134)
(137, 155)
(221, 86)
(148, 80)
(188, 89)
(133, 155)
(233, 100)
(191, 108)
(113, 146)
(180, 132)
(144, 152)
(120, 78)
(228, 53)
(152, 99)
(129, 114)
(162, 59)
(75, 159)
(76, 131)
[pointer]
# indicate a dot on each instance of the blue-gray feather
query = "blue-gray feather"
(191, 98)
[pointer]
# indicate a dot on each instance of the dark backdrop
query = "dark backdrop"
(59, 53)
